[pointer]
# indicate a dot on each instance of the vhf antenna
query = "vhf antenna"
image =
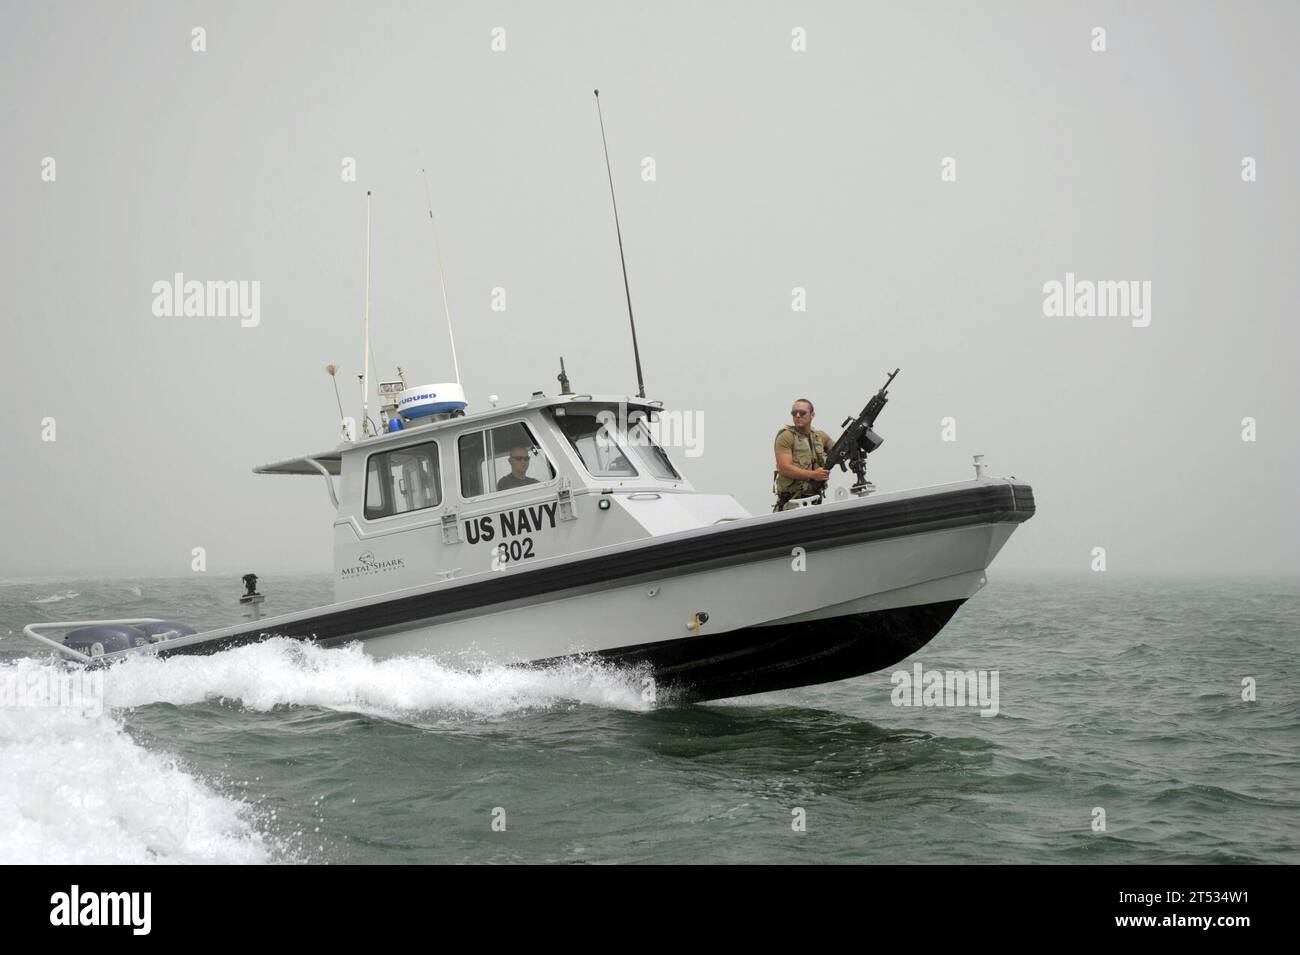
(636, 353)
(365, 357)
(442, 276)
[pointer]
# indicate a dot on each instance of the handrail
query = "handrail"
(329, 483)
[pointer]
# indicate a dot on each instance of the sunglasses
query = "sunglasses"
(518, 457)
(799, 412)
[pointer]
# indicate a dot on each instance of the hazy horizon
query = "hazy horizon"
(775, 169)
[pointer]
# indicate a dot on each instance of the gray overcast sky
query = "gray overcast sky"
(775, 169)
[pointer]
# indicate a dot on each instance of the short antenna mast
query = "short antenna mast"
(636, 353)
(442, 276)
(332, 370)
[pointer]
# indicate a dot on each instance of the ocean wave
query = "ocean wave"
(55, 598)
(77, 789)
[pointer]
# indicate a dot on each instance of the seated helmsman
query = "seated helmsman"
(518, 476)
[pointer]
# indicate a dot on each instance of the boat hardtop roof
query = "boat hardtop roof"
(332, 460)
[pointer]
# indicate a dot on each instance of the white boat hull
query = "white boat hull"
(748, 606)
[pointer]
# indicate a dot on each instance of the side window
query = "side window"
(402, 480)
(473, 464)
(501, 459)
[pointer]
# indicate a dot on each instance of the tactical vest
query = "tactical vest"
(809, 453)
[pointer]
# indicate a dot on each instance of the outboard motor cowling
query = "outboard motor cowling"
(110, 638)
(96, 641)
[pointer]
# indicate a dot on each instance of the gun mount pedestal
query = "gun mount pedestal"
(866, 441)
(862, 488)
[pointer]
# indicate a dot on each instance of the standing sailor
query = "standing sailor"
(800, 455)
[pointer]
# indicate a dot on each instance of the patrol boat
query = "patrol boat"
(558, 527)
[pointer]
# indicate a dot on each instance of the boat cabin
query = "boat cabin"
(451, 495)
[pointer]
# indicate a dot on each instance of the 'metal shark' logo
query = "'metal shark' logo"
(367, 565)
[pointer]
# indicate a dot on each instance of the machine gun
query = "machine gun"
(858, 440)
(851, 449)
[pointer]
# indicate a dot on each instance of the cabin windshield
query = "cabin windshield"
(607, 450)
(655, 457)
(596, 442)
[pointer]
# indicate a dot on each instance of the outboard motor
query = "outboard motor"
(96, 641)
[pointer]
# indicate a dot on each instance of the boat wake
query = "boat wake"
(77, 789)
(282, 672)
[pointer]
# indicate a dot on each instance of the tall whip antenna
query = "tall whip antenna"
(442, 276)
(636, 353)
(365, 357)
